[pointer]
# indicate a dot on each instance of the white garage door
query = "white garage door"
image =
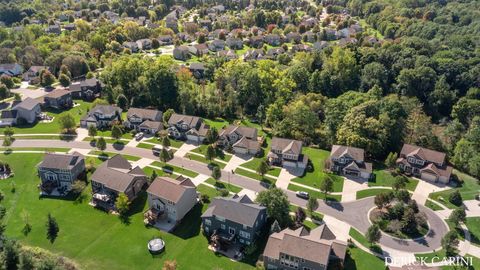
(429, 177)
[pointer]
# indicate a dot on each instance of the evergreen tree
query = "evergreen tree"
(210, 153)
(101, 144)
(164, 155)
(216, 173)
(262, 168)
(373, 234)
(52, 228)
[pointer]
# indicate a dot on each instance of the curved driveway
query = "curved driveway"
(354, 213)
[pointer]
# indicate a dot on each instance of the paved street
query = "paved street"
(353, 213)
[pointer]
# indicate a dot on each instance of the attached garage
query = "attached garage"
(427, 176)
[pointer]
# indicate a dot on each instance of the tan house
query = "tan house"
(243, 140)
(188, 127)
(287, 153)
(349, 161)
(426, 164)
(169, 200)
(301, 249)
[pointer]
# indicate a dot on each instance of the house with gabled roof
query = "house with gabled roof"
(57, 172)
(188, 127)
(242, 140)
(87, 89)
(349, 161)
(234, 219)
(101, 116)
(11, 69)
(181, 53)
(288, 154)
(303, 249)
(58, 99)
(234, 43)
(33, 72)
(144, 120)
(26, 111)
(424, 163)
(169, 200)
(114, 176)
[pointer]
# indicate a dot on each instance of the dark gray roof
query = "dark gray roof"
(239, 209)
(105, 109)
(61, 161)
(116, 173)
(145, 113)
(27, 104)
(9, 114)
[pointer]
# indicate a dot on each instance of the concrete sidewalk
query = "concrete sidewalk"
(284, 179)
(424, 188)
(184, 149)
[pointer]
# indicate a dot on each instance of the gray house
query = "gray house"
(287, 153)
(349, 161)
(273, 39)
(234, 43)
(87, 89)
(182, 126)
(303, 249)
(58, 172)
(33, 72)
(101, 116)
(26, 111)
(243, 140)
(12, 69)
(235, 220)
(58, 99)
(169, 200)
(113, 177)
(144, 120)
(181, 53)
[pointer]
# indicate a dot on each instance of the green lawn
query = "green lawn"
(315, 194)
(204, 160)
(385, 179)
(468, 190)
(105, 155)
(475, 264)
(224, 185)
(145, 145)
(473, 225)
(108, 133)
(54, 127)
(175, 169)
(96, 240)
(46, 149)
(217, 123)
(362, 240)
(255, 162)
(38, 137)
(314, 178)
(357, 259)
(256, 176)
(219, 154)
(371, 192)
(173, 143)
(430, 204)
(211, 192)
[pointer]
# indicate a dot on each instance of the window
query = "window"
(244, 234)
(222, 226)
(419, 162)
(231, 230)
(208, 222)
(219, 218)
(411, 160)
(207, 229)
(307, 268)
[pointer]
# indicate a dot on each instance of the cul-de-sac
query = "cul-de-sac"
(239, 134)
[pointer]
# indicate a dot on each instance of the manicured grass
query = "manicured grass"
(430, 204)
(315, 194)
(475, 264)
(95, 239)
(211, 192)
(357, 259)
(316, 177)
(219, 154)
(315, 215)
(217, 123)
(473, 225)
(145, 146)
(46, 149)
(53, 127)
(39, 137)
(204, 160)
(362, 240)
(224, 185)
(468, 190)
(106, 155)
(385, 179)
(309, 224)
(371, 192)
(173, 143)
(255, 176)
(175, 169)
(255, 163)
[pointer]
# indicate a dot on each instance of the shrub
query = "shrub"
(455, 198)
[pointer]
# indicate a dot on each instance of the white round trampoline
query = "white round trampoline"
(156, 245)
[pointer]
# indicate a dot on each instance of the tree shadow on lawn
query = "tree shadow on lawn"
(190, 225)
(118, 145)
(136, 207)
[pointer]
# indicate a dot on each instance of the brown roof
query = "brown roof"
(423, 153)
(286, 145)
(191, 121)
(248, 132)
(247, 144)
(355, 153)
(116, 173)
(61, 161)
(314, 246)
(57, 93)
(170, 189)
(145, 113)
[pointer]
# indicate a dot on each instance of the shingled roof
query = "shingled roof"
(116, 173)
(170, 189)
(238, 209)
(423, 153)
(61, 161)
(355, 153)
(144, 113)
(287, 145)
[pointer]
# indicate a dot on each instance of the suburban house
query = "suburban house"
(293, 37)
(198, 49)
(181, 53)
(287, 153)
(165, 40)
(273, 40)
(33, 72)
(144, 120)
(187, 127)
(53, 29)
(12, 70)
(101, 116)
(169, 200)
(235, 43)
(87, 89)
(144, 44)
(243, 140)
(58, 99)
(26, 111)
(228, 54)
(132, 46)
(57, 172)
(428, 165)
(216, 45)
(197, 70)
(256, 42)
(303, 249)
(234, 220)
(255, 54)
(113, 177)
(349, 161)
